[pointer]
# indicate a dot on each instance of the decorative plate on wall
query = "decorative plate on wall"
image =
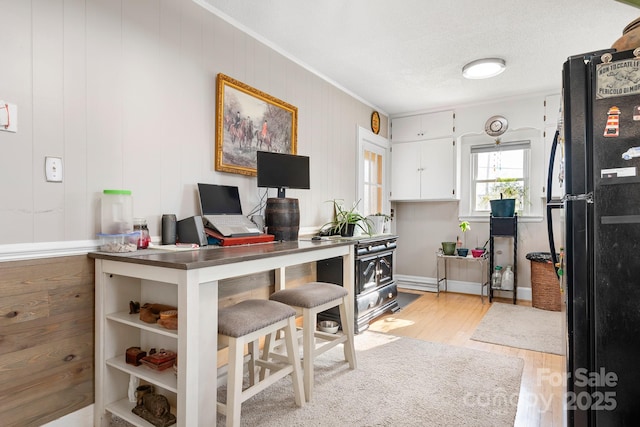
(375, 122)
(496, 126)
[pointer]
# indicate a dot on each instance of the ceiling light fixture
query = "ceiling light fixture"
(483, 68)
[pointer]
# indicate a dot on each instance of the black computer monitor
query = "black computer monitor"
(282, 171)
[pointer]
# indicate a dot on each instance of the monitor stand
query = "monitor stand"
(282, 218)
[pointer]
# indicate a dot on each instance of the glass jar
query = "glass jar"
(507, 279)
(496, 278)
(140, 225)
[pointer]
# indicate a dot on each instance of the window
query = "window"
(373, 154)
(500, 169)
(372, 182)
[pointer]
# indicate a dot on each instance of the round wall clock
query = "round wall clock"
(496, 126)
(375, 122)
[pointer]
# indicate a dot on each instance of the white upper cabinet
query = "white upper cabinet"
(425, 170)
(551, 110)
(424, 158)
(422, 126)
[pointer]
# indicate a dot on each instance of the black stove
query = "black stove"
(374, 288)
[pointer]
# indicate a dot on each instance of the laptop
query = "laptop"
(221, 210)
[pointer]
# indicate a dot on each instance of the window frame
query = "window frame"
(367, 139)
(537, 173)
(524, 145)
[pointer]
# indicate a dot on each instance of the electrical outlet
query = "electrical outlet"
(53, 169)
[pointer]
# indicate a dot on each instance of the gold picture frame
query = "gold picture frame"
(248, 120)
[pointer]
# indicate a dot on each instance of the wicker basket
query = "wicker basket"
(545, 288)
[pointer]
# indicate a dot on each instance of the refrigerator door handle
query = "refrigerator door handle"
(552, 158)
(578, 197)
(552, 204)
(552, 243)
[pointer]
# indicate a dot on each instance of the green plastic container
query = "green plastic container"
(117, 212)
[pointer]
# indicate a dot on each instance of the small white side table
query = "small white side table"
(481, 261)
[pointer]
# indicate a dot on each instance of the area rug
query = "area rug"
(406, 298)
(398, 382)
(522, 327)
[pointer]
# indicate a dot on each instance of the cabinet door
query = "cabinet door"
(405, 171)
(438, 169)
(422, 126)
(437, 125)
(405, 129)
(551, 110)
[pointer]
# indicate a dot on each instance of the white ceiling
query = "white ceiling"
(407, 55)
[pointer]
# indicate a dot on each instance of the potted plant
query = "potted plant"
(378, 220)
(345, 221)
(512, 196)
(464, 227)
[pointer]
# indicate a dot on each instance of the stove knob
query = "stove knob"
(390, 295)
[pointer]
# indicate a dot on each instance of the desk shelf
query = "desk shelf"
(122, 409)
(503, 227)
(187, 280)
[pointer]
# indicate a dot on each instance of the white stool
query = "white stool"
(244, 323)
(309, 300)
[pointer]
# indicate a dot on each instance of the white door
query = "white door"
(373, 155)
(438, 169)
(405, 172)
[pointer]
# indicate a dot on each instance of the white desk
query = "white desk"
(480, 261)
(189, 280)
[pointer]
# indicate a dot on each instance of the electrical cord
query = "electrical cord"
(261, 203)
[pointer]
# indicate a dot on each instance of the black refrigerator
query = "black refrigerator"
(601, 127)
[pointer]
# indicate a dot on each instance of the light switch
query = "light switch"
(53, 169)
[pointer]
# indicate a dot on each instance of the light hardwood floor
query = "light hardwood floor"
(452, 318)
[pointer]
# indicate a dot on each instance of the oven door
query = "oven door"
(373, 271)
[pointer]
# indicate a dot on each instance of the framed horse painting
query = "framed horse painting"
(248, 120)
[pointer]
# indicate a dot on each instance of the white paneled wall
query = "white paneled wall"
(124, 92)
(423, 226)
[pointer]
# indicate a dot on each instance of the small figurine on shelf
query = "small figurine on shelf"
(153, 407)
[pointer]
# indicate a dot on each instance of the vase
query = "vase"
(630, 37)
(377, 223)
(463, 252)
(347, 230)
(448, 248)
(503, 207)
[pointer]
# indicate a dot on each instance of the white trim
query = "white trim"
(206, 5)
(22, 251)
(365, 136)
(421, 283)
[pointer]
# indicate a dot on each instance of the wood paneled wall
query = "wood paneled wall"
(46, 339)
(47, 333)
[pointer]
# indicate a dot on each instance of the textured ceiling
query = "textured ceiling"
(407, 55)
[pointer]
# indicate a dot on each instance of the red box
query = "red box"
(161, 360)
(231, 241)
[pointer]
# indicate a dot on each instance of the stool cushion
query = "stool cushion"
(251, 315)
(310, 295)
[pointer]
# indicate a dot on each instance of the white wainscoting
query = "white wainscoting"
(420, 283)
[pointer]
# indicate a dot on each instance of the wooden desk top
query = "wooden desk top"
(210, 256)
